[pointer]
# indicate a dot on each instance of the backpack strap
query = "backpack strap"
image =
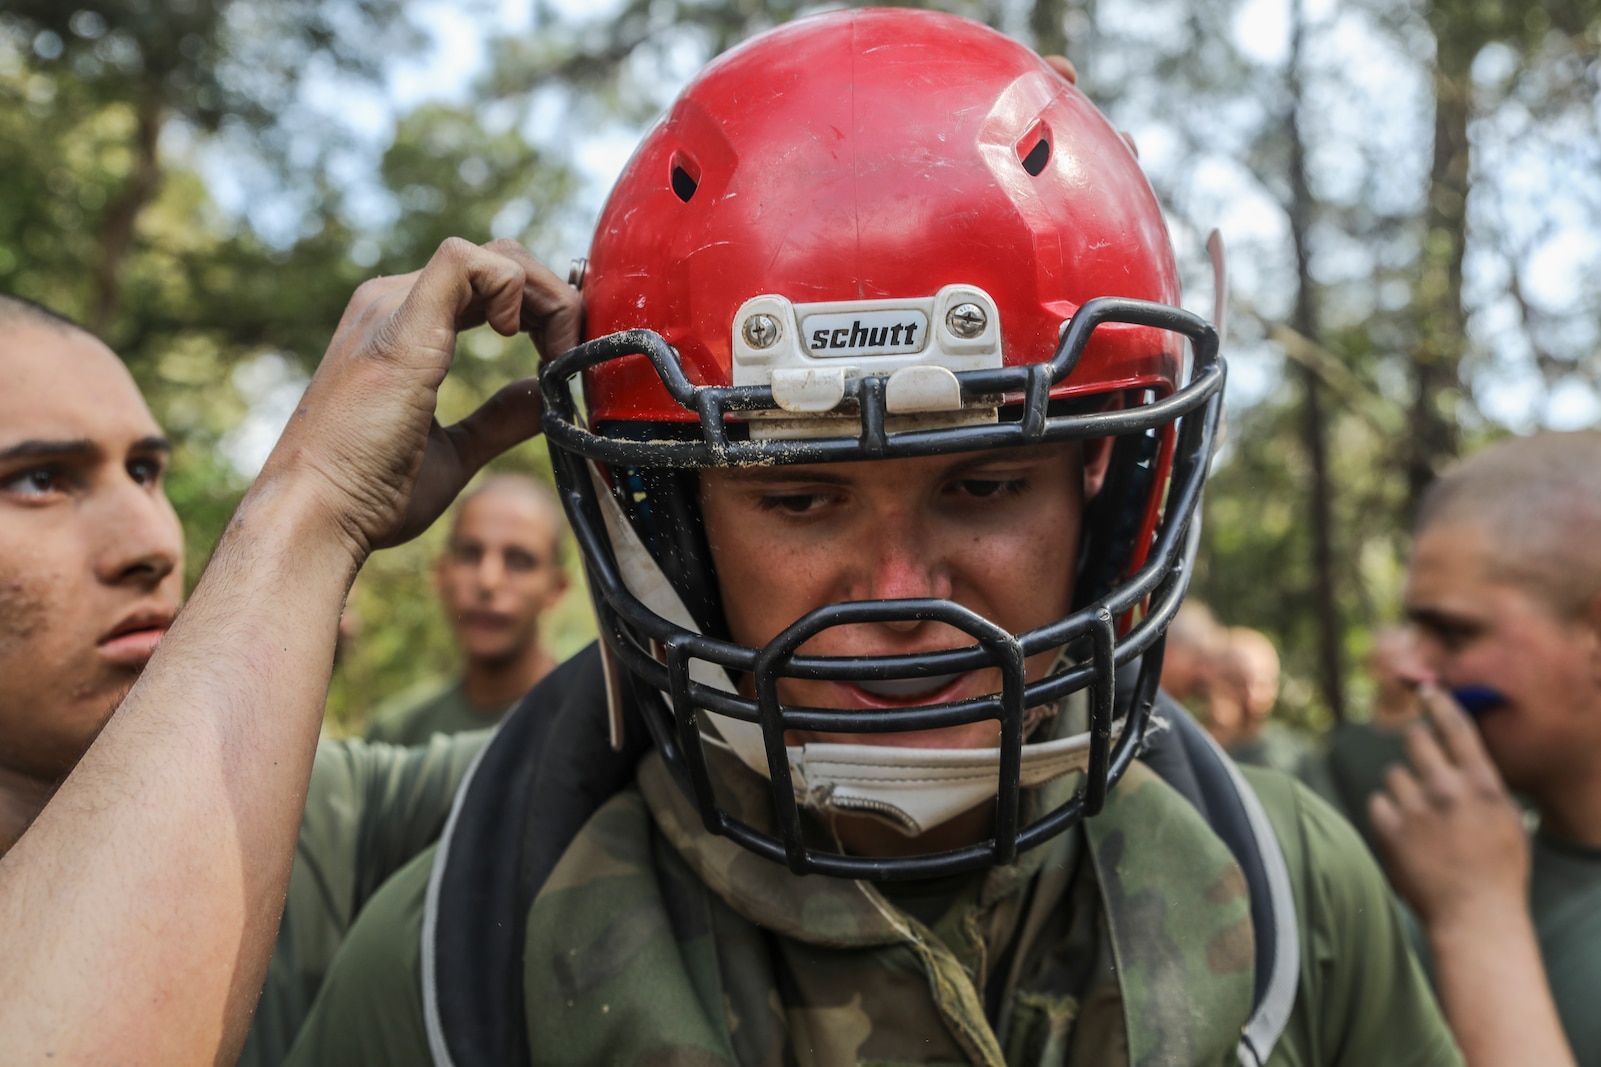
(548, 768)
(1187, 758)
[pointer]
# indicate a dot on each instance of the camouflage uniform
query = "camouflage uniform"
(1128, 941)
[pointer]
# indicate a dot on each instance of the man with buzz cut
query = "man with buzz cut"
(1192, 654)
(880, 634)
(1504, 592)
(500, 571)
(91, 571)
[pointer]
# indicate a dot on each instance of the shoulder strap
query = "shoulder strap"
(548, 768)
(1187, 758)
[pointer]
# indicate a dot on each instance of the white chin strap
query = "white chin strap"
(911, 789)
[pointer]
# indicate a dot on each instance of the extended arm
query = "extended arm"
(1456, 848)
(138, 913)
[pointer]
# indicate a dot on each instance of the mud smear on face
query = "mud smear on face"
(22, 612)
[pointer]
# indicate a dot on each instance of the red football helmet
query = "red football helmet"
(864, 235)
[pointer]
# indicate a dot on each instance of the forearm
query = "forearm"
(147, 895)
(138, 913)
(1493, 989)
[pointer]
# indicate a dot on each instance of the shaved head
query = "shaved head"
(15, 309)
(1194, 625)
(1251, 664)
(1195, 640)
(1538, 501)
(500, 571)
(522, 487)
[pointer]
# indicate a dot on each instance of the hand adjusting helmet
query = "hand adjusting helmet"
(867, 235)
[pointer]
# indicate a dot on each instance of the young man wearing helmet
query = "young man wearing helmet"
(883, 460)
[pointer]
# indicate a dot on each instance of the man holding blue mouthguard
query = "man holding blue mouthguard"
(1505, 592)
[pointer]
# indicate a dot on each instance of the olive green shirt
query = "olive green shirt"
(1565, 898)
(1353, 768)
(369, 809)
(1280, 747)
(418, 714)
(656, 942)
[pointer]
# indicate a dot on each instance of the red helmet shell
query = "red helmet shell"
(877, 154)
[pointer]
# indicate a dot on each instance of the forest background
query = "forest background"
(1410, 192)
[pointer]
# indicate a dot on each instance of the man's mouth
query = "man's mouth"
(935, 689)
(133, 641)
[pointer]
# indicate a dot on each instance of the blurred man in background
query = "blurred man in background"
(1504, 588)
(1358, 755)
(1195, 641)
(500, 571)
(1243, 691)
(1241, 701)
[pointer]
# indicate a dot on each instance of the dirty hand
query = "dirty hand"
(365, 442)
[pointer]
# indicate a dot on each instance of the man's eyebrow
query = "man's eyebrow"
(812, 473)
(81, 448)
(784, 474)
(1021, 454)
(78, 448)
(1431, 616)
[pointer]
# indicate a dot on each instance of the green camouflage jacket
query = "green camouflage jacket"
(1127, 941)
(655, 942)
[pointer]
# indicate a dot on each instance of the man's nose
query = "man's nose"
(490, 572)
(904, 566)
(142, 540)
(1426, 660)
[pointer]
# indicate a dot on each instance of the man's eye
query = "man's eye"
(146, 471)
(521, 562)
(36, 482)
(793, 503)
(985, 488)
(1452, 637)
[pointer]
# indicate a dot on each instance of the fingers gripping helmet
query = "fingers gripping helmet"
(868, 235)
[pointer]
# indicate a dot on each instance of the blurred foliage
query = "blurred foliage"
(1435, 182)
(1421, 264)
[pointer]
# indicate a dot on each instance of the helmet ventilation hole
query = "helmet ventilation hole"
(684, 184)
(1037, 157)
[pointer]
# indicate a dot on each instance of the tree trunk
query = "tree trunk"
(1437, 357)
(1314, 431)
(122, 217)
(1048, 21)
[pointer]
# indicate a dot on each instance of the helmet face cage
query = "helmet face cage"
(656, 653)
